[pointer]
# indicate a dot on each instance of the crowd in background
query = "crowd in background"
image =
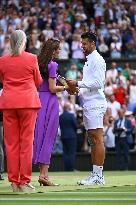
(115, 24)
(113, 21)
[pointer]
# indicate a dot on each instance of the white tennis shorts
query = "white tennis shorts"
(93, 117)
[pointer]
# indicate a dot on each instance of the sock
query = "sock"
(98, 170)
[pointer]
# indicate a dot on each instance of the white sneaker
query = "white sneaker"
(92, 180)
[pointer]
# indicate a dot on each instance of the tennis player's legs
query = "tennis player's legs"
(93, 120)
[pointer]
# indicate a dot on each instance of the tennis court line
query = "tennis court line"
(87, 192)
(68, 199)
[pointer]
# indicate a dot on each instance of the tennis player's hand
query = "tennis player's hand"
(71, 82)
(72, 92)
(72, 86)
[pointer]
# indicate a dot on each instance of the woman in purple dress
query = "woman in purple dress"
(48, 116)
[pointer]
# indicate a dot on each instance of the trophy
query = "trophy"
(62, 80)
(72, 89)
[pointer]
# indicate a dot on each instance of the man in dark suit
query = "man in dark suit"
(122, 129)
(68, 128)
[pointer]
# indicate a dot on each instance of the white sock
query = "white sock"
(98, 170)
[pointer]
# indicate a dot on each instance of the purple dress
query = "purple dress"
(47, 121)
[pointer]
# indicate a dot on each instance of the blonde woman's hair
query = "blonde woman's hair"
(17, 42)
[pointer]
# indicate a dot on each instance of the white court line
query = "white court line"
(87, 192)
(67, 199)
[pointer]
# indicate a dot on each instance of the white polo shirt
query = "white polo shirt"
(93, 81)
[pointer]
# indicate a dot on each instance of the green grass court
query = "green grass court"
(120, 189)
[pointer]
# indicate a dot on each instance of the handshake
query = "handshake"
(70, 85)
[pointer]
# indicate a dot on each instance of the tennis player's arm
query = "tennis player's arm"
(97, 81)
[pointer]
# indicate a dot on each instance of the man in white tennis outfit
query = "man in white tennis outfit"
(94, 105)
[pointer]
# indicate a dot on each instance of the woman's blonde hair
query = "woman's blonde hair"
(17, 42)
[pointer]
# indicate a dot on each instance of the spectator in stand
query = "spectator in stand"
(68, 126)
(73, 72)
(108, 87)
(127, 71)
(112, 72)
(103, 31)
(92, 25)
(64, 46)
(61, 102)
(48, 32)
(109, 13)
(131, 45)
(122, 129)
(134, 129)
(115, 48)
(131, 49)
(79, 18)
(2, 41)
(132, 95)
(120, 77)
(114, 106)
(120, 93)
(103, 48)
(133, 16)
(34, 44)
(98, 12)
(126, 38)
(41, 39)
(68, 18)
(131, 138)
(77, 52)
(109, 137)
(124, 21)
(108, 112)
(6, 49)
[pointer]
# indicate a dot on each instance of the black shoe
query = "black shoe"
(1, 177)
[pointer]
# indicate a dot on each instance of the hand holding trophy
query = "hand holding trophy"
(71, 89)
(72, 85)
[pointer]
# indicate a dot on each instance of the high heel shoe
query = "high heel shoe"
(46, 182)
